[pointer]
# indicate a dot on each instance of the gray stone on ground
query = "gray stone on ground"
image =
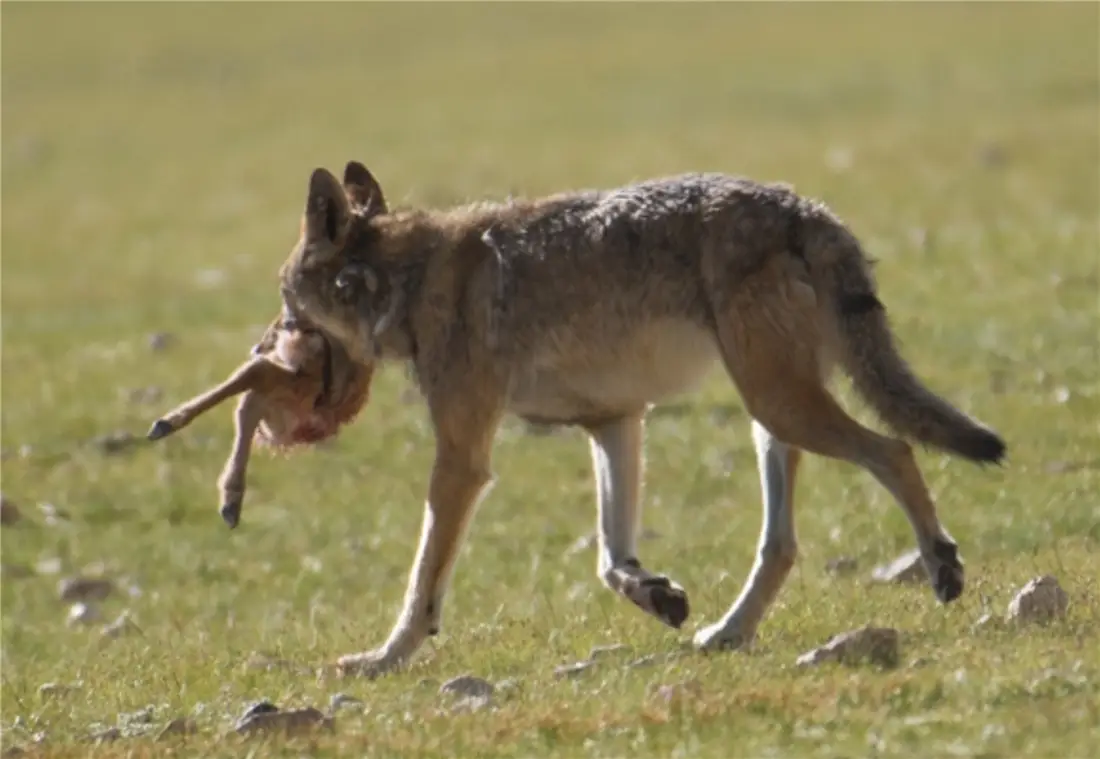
(1041, 600)
(467, 685)
(878, 645)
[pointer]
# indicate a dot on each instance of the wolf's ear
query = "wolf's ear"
(327, 210)
(363, 191)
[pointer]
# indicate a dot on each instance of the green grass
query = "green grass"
(155, 160)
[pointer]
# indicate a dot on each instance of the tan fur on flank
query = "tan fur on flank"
(585, 308)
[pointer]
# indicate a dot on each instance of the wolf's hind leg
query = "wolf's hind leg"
(775, 553)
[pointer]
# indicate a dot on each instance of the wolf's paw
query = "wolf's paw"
(662, 598)
(945, 570)
(722, 637)
(370, 664)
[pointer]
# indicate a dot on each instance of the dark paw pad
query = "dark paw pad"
(658, 581)
(670, 605)
(231, 513)
(160, 429)
(948, 582)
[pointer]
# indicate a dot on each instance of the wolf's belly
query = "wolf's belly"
(577, 380)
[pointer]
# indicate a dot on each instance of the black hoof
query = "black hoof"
(160, 429)
(231, 513)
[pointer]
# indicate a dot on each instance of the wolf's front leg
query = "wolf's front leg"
(458, 482)
(617, 461)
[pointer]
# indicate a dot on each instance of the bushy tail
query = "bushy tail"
(882, 377)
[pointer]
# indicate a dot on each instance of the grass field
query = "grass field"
(155, 160)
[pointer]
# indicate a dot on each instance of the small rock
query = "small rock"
(842, 565)
(293, 721)
(340, 700)
(178, 726)
(572, 670)
(123, 625)
(9, 512)
(82, 614)
(159, 341)
(599, 652)
(878, 645)
(467, 685)
(80, 588)
(1041, 600)
(115, 442)
(906, 568)
(992, 155)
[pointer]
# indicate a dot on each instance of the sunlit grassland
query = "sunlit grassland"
(154, 166)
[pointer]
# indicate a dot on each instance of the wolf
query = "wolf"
(587, 308)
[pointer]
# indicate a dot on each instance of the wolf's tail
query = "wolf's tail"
(880, 374)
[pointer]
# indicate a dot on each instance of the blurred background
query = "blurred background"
(154, 167)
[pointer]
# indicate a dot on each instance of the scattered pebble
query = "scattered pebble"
(992, 155)
(572, 670)
(9, 512)
(293, 721)
(82, 614)
(159, 341)
(842, 565)
(906, 568)
(1041, 600)
(879, 645)
(80, 588)
(467, 685)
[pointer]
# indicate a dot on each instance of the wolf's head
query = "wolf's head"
(338, 275)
